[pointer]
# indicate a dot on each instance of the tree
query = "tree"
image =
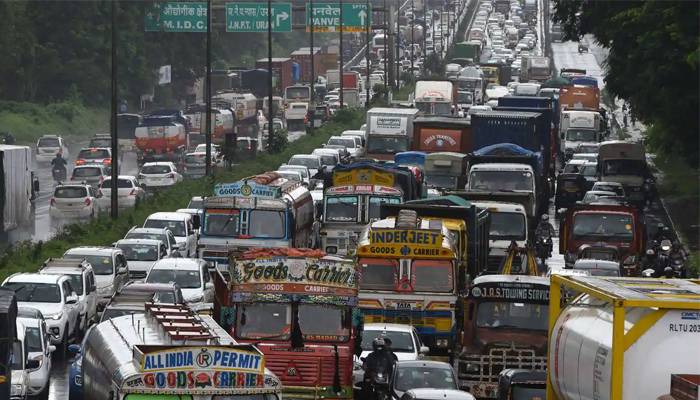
(652, 61)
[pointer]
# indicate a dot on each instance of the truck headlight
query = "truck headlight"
(471, 368)
(331, 249)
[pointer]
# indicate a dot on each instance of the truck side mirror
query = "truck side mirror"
(36, 185)
(195, 222)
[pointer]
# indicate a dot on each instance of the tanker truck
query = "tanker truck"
(622, 338)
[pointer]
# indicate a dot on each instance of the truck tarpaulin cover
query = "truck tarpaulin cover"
(506, 150)
(404, 178)
(410, 158)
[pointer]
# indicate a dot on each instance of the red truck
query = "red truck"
(351, 80)
(281, 71)
(433, 134)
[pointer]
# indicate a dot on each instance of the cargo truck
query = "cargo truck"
(579, 97)
(435, 97)
(625, 163)
(535, 69)
(18, 187)
(437, 134)
(282, 72)
(467, 50)
(389, 131)
(623, 339)
(496, 127)
(578, 127)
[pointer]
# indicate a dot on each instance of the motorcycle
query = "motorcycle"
(543, 247)
(59, 174)
(376, 385)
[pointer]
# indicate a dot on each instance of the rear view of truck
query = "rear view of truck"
(161, 137)
(16, 187)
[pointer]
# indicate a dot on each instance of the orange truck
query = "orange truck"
(579, 97)
(439, 134)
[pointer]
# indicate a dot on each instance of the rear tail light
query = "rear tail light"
(133, 192)
(52, 201)
(107, 161)
(79, 161)
(88, 201)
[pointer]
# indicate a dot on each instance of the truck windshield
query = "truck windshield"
(387, 144)
(35, 292)
(468, 84)
(600, 225)
(501, 314)
(221, 223)
(341, 208)
(379, 274)
(298, 92)
(267, 224)
(432, 276)
(324, 323)
(501, 180)
(507, 226)
(581, 135)
(624, 167)
(441, 181)
(465, 98)
(375, 203)
(264, 321)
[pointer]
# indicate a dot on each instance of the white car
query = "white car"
(54, 296)
(183, 225)
(74, 201)
(109, 266)
(141, 254)
(90, 174)
(405, 344)
(313, 163)
(20, 366)
(329, 157)
(38, 348)
(304, 171)
(95, 156)
(191, 275)
(291, 175)
(159, 174)
(353, 144)
(83, 283)
(129, 192)
(48, 146)
(216, 152)
(165, 235)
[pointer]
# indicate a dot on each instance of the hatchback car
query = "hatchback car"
(95, 156)
(422, 374)
(91, 174)
(162, 234)
(109, 266)
(159, 174)
(141, 254)
(195, 164)
(38, 348)
(48, 146)
(353, 145)
(329, 157)
(83, 282)
(304, 171)
(129, 192)
(191, 275)
(74, 201)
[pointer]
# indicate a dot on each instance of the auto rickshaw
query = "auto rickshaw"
(571, 187)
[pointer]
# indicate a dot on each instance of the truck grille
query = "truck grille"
(306, 371)
(484, 368)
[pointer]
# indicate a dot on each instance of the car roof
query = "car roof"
(87, 166)
(602, 193)
(29, 312)
(168, 216)
(439, 394)
(35, 277)
(152, 242)
(121, 177)
(157, 163)
(188, 264)
(147, 230)
(589, 263)
(388, 327)
(62, 270)
(424, 363)
(304, 156)
(95, 148)
(92, 250)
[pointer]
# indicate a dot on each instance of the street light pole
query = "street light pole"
(369, 14)
(386, 44)
(413, 26)
(114, 193)
(207, 135)
(425, 36)
(312, 78)
(340, 68)
(398, 45)
(270, 125)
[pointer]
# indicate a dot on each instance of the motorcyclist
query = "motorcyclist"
(544, 228)
(661, 232)
(381, 359)
(59, 163)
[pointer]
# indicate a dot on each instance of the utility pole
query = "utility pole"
(340, 68)
(442, 33)
(425, 36)
(398, 45)
(270, 128)
(207, 136)
(413, 26)
(312, 78)
(369, 15)
(386, 45)
(114, 193)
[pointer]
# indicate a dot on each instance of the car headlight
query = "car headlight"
(56, 316)
(17, 390)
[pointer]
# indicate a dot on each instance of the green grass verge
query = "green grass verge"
(29, 121)
(103, 231)
(404, 92)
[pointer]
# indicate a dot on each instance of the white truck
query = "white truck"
(389, 131)
(578, 127)
(295, 114)
(18, 188)
(508, 224)
(509, 179)
(435, 97)
(625, 163)
(623, 339)
(332, 79)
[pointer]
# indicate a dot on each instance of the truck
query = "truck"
(296, 306)
(351, 80)
(297, 94)
(373, 173)
(472, 80)
(579, 97)
(435, 133)
(171, 350)
(625, 163)
(255, 81)
(161, 137)
(578, 127)
(389, 131)
(8, 339)
(506, 327)
(620, 227)
(498, 74)
(19, 186)
(445, 171)
(222, 123)
(332, 79)
(264, 210)
(508, 225)
(496, 127)
(351, 97)
(296, 115)
(467, 50)
(435, 97)
(623, 339)
(535, 69)
(282, 72)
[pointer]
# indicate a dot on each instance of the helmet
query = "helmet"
(650, 252)
(660, 226)
(545, 217)
(378, 344)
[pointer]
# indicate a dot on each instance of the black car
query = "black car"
(521, 384)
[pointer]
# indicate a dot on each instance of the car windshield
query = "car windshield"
(147, 235)
(401, 342)
(519, 392)
(264, 320)
(195, 159)
(291, 175)
(101, 265)
(184, 279)
(101, 142)
(93, 154)
(387, 144)
(581, 135)
(304, 172)
(624, 167)
(221, 223)
(155, 169)
(441, 181)
(86, 172)
(267, 224)
(501, 314)
(76, 282)
(309, 162)
(48, 142)
(601, 225)
(35, 292)
(349, 143)
(507, 226)
(70, 192)
(121, 184)
(33, 340)
(328, 160)
(341, 208)
(139, 252)
(432, 276)
(379, 274)
(415, 377)
(176, 227)
(375, 204)
(606, 187)
(324, 323)
(498, 181)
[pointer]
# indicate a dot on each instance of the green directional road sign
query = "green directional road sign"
(327, 17)
(177, 17)
(252, 17)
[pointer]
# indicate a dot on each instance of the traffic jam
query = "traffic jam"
(488, 238)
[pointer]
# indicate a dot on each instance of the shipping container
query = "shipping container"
(282, 72)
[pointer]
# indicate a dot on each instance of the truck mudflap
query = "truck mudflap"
(478, 373)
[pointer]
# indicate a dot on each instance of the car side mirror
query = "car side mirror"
(52, 348)
(424, 350)
(122, 271)
(72, 299)
(74, 348)
(33, 364)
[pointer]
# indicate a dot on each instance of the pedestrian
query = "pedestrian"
(624, 119)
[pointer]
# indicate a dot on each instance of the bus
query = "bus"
(409, 270)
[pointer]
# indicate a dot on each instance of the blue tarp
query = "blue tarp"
(511, 150)
(584, 81)
(410, 158)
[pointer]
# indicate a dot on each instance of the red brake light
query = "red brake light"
(79, 161)
(133, 192)
(107, 161)
(52, 201)
(88, 201)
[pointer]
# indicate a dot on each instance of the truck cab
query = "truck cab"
(578, 127)
(505, 177)
(508, 224)
(295, 114)
(445, 170)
